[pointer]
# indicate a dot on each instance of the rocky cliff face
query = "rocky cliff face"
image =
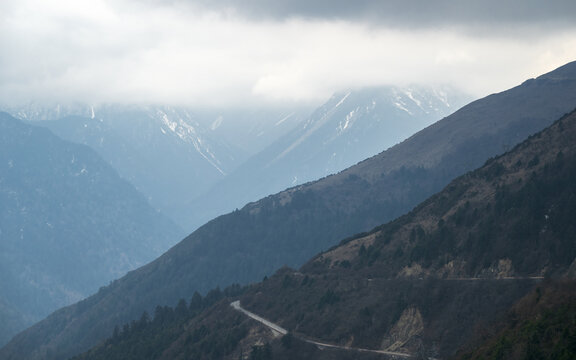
(403, 336)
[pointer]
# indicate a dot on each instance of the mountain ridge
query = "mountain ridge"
(302, 221)
(54, 193)
(443, 244)
(347, 128)
(360, 294)
(171, 154)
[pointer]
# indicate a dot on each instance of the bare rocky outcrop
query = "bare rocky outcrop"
(404, 334)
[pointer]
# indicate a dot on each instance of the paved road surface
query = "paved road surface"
(278, 330)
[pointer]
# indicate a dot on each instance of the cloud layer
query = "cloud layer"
(407, 14)
(218, 54)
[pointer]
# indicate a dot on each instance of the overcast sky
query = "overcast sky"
(246, 52)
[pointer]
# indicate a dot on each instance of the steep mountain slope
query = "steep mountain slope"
(163, 151)
(459, 259)
(171, 154)
(291, 226)
(68, 224)
(420, 285)
(253, 129)
(348, 128)
(542, 325)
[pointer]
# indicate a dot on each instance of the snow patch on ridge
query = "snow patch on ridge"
(315, 126)
(187, 133)
(284, 119)
(348, 121)
(216, 124)
(411, 97)
(343, 99)
(401, 105)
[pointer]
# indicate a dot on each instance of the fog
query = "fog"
(226, 53)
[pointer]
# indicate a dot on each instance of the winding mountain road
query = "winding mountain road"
(278, 330)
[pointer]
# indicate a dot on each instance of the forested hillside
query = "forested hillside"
(542, 325)
(290, 227)
(422, 285)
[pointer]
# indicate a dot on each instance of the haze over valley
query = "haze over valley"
(287, 180)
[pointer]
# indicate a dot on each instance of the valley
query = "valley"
(486, 224)
(59, 198)
(287, 180)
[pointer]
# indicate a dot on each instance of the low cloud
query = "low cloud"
(213, 54)
(404, 14)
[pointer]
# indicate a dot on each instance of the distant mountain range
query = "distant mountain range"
(68, 224)
(422, 286)
(164, 152)
(289, 227)
(170, 154)
(350, 127)
(184, 160)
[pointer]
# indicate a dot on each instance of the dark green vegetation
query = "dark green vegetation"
(432, 280)
(458, 260)
(205, 328)
(541, 326)
(68, 225)
(291, 226)
(190, 330)
(200, 331)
